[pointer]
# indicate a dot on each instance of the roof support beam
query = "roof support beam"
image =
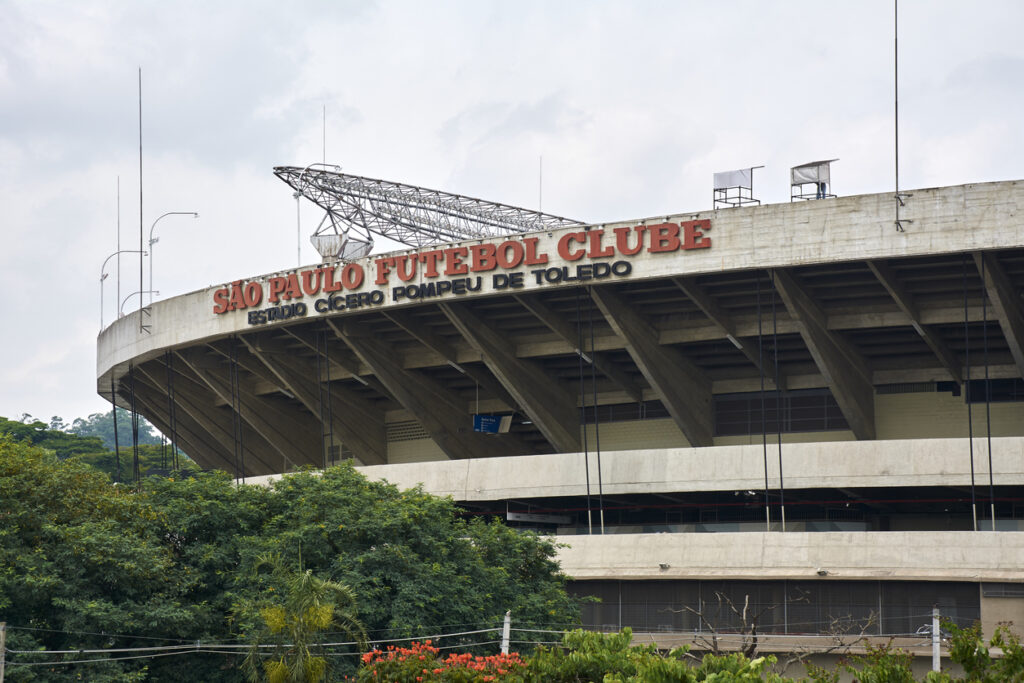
(197, 409)
(601, 360)
(682, 387)
(485, 379)
(1006, 302)
(540, 396)
(358, 425)
(843, 368)
(294, 435)
(344, 360)
(200, 446)
(443, 414)
(724, 322)
(905, 301)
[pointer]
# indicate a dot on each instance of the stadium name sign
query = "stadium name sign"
(512, 264)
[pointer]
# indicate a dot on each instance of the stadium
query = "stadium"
(811, 412)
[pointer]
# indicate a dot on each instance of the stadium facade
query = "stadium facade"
(805, 406)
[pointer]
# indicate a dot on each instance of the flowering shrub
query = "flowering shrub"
(422, 662)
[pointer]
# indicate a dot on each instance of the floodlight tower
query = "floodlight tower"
(358, 208)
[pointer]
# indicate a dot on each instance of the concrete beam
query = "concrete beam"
(723, 321)
(198, 412)
(858, 465)
(294, 435)
(199, 446)
(843, 368)
(905, 301)
(357, 424)
(342, 359)
(602, 362)
(1006, 302)
(682, 387)
(547, 403)
(485, 379)
(443, 415)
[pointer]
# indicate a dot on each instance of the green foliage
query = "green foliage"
(101, 425)
(84, 564)
(92, 449)
(79, 559)
(967, 648)
(293, 613)
(882, 664)
(413, 562)
(64, 445)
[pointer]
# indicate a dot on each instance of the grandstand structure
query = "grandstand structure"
(805, 407)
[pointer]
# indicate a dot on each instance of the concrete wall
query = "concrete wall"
(844, 464)
(922, 555)
(947, 219)
(942, 415)
(996, 611)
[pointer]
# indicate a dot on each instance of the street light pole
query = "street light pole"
(103, 275)
(141, 294)
(153, 241)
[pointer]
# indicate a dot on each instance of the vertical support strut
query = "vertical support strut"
(117, 442)
(172, 409)
(597, 420)
(967, 397)
(778, 403)
(988, 398)
(323, 360)
(236, 413)
(136, 474)
(764, 417)
(583, 407)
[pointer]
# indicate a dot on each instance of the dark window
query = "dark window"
(999, 390)
(875, 607)
(1002, 590)
(811, 410)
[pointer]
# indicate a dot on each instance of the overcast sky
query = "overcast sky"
(632, 105)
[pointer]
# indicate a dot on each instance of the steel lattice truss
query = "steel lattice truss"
(415, 216)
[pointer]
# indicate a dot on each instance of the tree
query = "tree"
(79, 559)
(302, 608)
(93, 566)
(102, 425)
(412, 559)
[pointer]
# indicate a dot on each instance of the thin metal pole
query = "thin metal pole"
(141, 255)
(117, 441)
(597, 420)
(136, 473)
(236, 409)
(320, 398)
(778, 406)
(583, 407)
(967, 397)
(896, 105)
(764, 417)
(330, 407)
(540, 184)
(118, 300)
(171, 407)
(988, 398)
